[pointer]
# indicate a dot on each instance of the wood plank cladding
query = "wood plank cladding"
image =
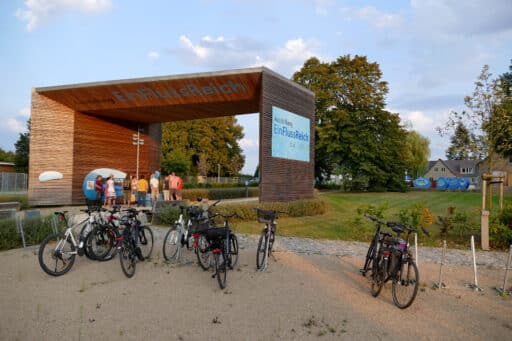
(78, 128)
(284, 179)
(165, 98)
(51, 149)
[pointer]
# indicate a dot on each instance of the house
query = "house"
(6, 166)
(499, 165)
(454, 169)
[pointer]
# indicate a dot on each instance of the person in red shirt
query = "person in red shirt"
(98, 187)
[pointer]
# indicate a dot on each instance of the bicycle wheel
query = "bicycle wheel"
(220, 269)
(56, 255)
(172, 242)
(100, 242)
(146, 241)
(233, 251)
(84, 235)
(370, 255)
(128, 260)
(377, 277)
(405, 285)
(203, 253)
(261, 254)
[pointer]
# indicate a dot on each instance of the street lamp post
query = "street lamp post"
(136, 140)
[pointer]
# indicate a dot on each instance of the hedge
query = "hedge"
(220, 193)
(299, 208)
(35, 230)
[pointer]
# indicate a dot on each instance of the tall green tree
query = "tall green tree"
(6, 156)
(506, 81)
(486, 117)
(463, 145)
(198, 147)
(354, 135)
(22, 146)
(417, 153)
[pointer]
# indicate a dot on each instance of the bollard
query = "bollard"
(475, 285)
(504, 290)
(440, 284)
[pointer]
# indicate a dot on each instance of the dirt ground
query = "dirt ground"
(298, 298)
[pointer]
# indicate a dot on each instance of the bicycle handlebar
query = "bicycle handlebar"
(395, 224)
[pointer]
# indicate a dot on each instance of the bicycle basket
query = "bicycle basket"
(216, 233)
(93, 205)
(266, 217)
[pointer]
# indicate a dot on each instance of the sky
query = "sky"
(430, 51)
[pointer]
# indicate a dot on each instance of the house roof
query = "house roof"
(455, 165)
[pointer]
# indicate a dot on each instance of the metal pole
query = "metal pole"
(416, 247)
(474, 262)
(440, 284)
(138, 147)
(506, 269)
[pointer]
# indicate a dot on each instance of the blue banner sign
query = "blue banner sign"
(290, 135)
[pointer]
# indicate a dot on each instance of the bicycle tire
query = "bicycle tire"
(377, 277)
(260, 251)
(406, 283)
(172, 242)
(128, 260)
(220, 269)
(203, 253)
(233, 251)
(84, 236)
(370, 256)
(146, 240)
(100, 243)
(47, 248)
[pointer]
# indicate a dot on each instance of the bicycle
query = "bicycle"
(178, 237)
(101, 241)
(223, 244)
(391, 259)
(135, 242)
(267, 237)
(62, 247)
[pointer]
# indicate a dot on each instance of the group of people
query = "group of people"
(135, 190)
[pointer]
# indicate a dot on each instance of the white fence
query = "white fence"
(13, 182)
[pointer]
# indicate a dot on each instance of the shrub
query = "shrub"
(297, 208)
(21, 198)
(220, 193)
(167, 215)
(500, 228)
(35, 230)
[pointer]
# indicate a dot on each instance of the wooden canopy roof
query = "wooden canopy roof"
(167, 98)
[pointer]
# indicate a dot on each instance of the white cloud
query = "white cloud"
(221, 52)
(473, 17)
(375, 17)
(153, 55)
(37, 12)
(248, 144)
(24, 112)
(16, 126)
(420, 121)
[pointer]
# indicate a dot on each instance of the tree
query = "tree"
(354, 136)
(22, 151)
(463, 145)
(6, 156)
(203, 144)
(506, 81)
(417, 153)
(481, 119)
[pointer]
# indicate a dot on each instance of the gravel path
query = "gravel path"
(306, 246)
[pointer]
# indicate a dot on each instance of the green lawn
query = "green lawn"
(342, 221)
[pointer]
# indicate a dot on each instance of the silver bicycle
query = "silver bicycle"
(57, 251)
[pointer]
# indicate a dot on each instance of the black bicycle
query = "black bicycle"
(267, 237)
(135, 242)
(223, 244)
(389, 258)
